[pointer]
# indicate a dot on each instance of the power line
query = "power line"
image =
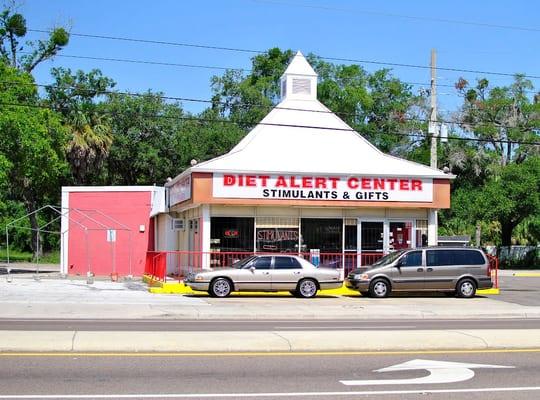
(170, 64)
(233, 49)
(256, 105)
(199, 119)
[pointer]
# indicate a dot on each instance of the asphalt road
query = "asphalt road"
(520, 290)
(161, 325)
(502, 375)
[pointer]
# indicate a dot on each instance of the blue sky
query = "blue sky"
(390, 31)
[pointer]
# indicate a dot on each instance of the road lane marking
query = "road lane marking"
(264, 354)
(276, 394)
(307, 327)
(439, 372)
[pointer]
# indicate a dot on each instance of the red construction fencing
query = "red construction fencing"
(177, 264)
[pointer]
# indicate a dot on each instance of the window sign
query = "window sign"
(277, 239)
(180, 191)
(308, 187)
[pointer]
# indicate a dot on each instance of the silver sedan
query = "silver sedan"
(268, 273)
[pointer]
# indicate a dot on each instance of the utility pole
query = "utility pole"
(433, 128)
(433, 131)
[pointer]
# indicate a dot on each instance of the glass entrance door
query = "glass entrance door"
(400, 235)
(371, 241)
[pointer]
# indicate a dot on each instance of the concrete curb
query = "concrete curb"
(268, 341)
(527, 274)
(160, 287)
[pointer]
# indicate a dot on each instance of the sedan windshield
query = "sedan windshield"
(242, 263)
(388, 259)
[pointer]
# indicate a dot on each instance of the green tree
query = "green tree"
(491, 114)
(504, 114)
(75, 96)
(12, 31)
(511, 197)
(32, 141)
(154, 140)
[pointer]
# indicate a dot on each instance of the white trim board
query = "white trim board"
(72, 189)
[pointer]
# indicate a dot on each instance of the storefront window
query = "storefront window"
(324, 234)
(277, 234)
(231, 234)
(372, 234)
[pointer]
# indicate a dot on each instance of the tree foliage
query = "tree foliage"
(75, 96)
(32, 141)
(13, 29)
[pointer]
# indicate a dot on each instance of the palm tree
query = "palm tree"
(91, 139)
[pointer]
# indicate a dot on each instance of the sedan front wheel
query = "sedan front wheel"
(220, 287)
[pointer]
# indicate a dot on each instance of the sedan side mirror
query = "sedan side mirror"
(252, 269)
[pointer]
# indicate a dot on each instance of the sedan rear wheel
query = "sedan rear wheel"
(220, 287)
(307, 288)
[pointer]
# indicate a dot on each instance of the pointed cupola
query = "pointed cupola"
(299, 81)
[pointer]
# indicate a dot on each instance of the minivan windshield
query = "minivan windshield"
(388, 259)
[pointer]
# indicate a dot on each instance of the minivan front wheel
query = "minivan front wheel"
(379, 288)
(466, 288)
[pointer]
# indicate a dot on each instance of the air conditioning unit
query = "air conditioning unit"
(178, 224)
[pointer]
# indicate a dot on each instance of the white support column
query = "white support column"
(432, 227)
(64, 233)
(205, 212)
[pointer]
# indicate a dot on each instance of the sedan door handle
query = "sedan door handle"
(266, 273)
(429, 269)
(296, 272)
(420, 270)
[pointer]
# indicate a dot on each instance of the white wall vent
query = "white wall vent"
(178, 224)
(301, 86)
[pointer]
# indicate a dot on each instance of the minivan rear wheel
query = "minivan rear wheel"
(379, 288)
(466, 288)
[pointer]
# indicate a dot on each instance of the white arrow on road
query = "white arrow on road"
(439, 372)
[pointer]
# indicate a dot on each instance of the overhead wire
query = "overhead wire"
(171, 64)
(253, 51)
(239, 123)
(255, 105)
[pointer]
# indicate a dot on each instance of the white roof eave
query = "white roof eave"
(287, 172)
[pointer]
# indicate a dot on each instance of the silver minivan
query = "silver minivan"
(460, 270)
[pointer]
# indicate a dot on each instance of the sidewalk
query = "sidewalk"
(48, 298)
(74, 298)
